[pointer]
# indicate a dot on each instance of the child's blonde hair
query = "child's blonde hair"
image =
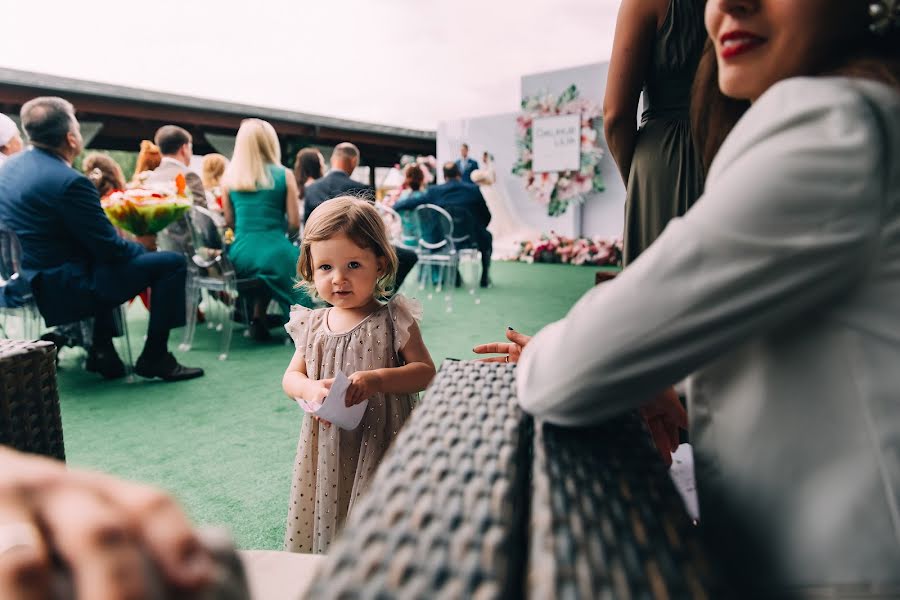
(255, 148)
(358, 220)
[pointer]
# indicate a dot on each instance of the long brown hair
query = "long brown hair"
(148, 158)
(307, 164)
(713, 114)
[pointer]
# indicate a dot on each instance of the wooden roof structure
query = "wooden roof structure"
(129, 115)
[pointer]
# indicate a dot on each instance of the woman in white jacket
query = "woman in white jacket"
(778, 293)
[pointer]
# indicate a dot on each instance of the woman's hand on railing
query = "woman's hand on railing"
(511, 350)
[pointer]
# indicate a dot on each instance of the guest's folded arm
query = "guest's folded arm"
(412, 201)
(786, 225)
(88, 223)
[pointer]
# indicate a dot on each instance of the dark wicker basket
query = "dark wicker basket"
(29, 399)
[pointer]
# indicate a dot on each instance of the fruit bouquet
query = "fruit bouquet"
(147, 210)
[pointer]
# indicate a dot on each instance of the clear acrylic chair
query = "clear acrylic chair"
(26, 309)
(19, 302)
(392, 222)
(438, 258)
(210, 272)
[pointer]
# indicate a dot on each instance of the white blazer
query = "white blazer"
(779, 291)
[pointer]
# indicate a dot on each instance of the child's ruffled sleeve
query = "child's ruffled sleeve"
(404, 313)
(298, 325)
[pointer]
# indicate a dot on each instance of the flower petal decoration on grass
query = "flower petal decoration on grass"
(147, 210)
(553, 248)
(558, 190)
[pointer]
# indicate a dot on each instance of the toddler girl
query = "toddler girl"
(347, 260)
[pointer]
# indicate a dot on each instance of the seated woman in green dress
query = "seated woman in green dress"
(259, 199)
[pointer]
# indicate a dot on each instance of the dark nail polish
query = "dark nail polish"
(510, 328)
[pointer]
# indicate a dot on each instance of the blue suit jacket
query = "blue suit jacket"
(451, 195)
(55, 211)
(336, 183)
(465, 168)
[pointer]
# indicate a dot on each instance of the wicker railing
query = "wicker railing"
(473, 502)
(29, 400)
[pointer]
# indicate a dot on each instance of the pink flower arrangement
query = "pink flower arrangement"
(554, 248)
(558, 190)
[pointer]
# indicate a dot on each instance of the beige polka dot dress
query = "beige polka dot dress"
(334, 466)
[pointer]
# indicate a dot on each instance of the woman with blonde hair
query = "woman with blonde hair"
(258, 196)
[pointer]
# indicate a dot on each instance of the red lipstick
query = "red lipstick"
(735, 43)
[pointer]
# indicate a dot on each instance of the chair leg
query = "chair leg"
(129, 359)
(228, 318)
(475, 272)
(449, 282)
(192, 302)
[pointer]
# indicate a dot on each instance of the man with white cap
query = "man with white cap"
(10, 140)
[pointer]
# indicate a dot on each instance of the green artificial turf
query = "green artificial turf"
(224, 443)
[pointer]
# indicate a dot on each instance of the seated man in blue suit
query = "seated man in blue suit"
(456, 196)
(73, 259)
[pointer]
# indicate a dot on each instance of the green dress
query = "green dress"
(260, 249)
(666, 176)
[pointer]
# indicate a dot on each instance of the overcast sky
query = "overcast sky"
(400, 62)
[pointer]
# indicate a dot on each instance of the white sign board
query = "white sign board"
(556, 144)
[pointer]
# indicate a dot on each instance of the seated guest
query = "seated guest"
(454, 196)
(10, 140)
(73, 259)
(176, 146)
(337, 182)
(213, 168)
(413, 184)
(259, 196)
(309, 166)
(104, 173)
(148, 159)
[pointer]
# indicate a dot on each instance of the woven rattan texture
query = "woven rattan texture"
(607, 522)
(29, 399)
(445, 515)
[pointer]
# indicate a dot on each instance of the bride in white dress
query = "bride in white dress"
(507, 229)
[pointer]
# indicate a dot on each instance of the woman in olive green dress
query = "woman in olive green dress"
(656, 49)
(259, 198)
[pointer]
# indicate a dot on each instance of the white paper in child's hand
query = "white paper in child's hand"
(334, 408)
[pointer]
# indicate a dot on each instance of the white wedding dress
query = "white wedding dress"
(507, 229)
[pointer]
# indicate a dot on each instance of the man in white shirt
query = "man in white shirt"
(176, 146)
(10, 140)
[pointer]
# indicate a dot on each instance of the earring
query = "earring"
(885, 15)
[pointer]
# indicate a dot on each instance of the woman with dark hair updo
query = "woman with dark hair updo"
(777, 294)
(104, 172)
(309, 165)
